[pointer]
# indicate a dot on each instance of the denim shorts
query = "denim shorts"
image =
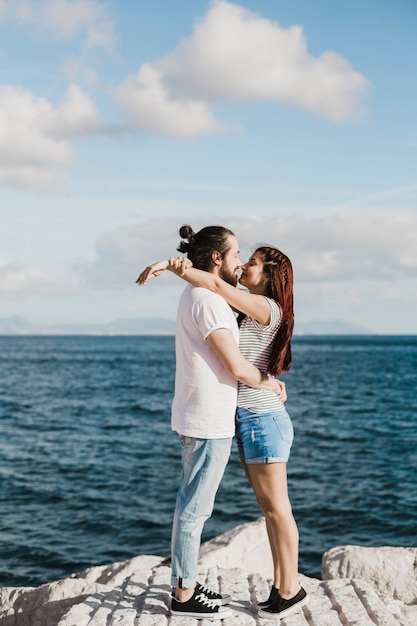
(264, 437)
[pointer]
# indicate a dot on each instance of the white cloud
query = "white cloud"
(15, 277)
(361, 267)
(354, 246)
(351, 248)
(60, 19)
(102, 35)
(47, 178)
(233, 54)
(34, 136)
(124, 251)
(86, 21)
(152, 108)
(23, 137)
(77, 116)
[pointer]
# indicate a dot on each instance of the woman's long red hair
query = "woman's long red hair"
(280, 281)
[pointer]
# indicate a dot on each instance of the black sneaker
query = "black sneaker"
(281, 608)
(218, 598)
(201, 607)
(272, 595)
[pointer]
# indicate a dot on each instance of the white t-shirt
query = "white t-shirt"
(205, 397)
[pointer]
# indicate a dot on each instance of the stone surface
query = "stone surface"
(392, 571)
(333, 603)
(137, 592)
(245, 546)
(45, 605)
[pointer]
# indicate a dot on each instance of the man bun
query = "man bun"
(186, 232)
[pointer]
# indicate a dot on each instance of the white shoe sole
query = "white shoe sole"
(209, 616)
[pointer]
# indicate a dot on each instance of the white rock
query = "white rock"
(45, 605)
(113, 575)
(361, 587)
(245, 546)
(391, 571)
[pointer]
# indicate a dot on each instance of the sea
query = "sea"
(89, 466)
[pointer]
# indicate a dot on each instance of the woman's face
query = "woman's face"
(253, 276)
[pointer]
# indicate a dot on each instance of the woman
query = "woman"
(264, 430)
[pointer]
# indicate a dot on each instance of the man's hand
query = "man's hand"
(225, 347)
(280, 390)
(152, 271)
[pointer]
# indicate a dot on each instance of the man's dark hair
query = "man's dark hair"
(200, 246)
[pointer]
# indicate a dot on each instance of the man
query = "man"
(208, 365)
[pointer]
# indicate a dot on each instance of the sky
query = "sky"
(291, 123)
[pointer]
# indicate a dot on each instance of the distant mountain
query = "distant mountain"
(17, 325)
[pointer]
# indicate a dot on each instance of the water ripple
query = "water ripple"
(89, 466)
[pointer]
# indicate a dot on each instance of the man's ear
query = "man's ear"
(216, 258)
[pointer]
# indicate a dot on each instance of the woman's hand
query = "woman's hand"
(179, 265)
(152, 271)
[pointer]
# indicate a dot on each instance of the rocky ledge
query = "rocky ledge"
(360, 587)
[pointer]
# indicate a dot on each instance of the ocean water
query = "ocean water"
(89, 466)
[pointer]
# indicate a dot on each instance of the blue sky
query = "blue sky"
(293, 123)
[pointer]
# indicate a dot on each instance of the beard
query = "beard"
(228, 277)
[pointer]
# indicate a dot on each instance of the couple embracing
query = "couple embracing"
(226, 384)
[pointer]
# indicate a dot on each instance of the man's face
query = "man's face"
(231, 263)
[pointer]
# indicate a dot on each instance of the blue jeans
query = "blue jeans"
(203, 464)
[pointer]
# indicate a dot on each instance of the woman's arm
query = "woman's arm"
(255, 306)
(250, 304)
(220, 340)
(151, 271)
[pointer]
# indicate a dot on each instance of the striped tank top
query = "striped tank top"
(255, 343)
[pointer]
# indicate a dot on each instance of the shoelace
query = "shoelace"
(208, 591)
(206, 601)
